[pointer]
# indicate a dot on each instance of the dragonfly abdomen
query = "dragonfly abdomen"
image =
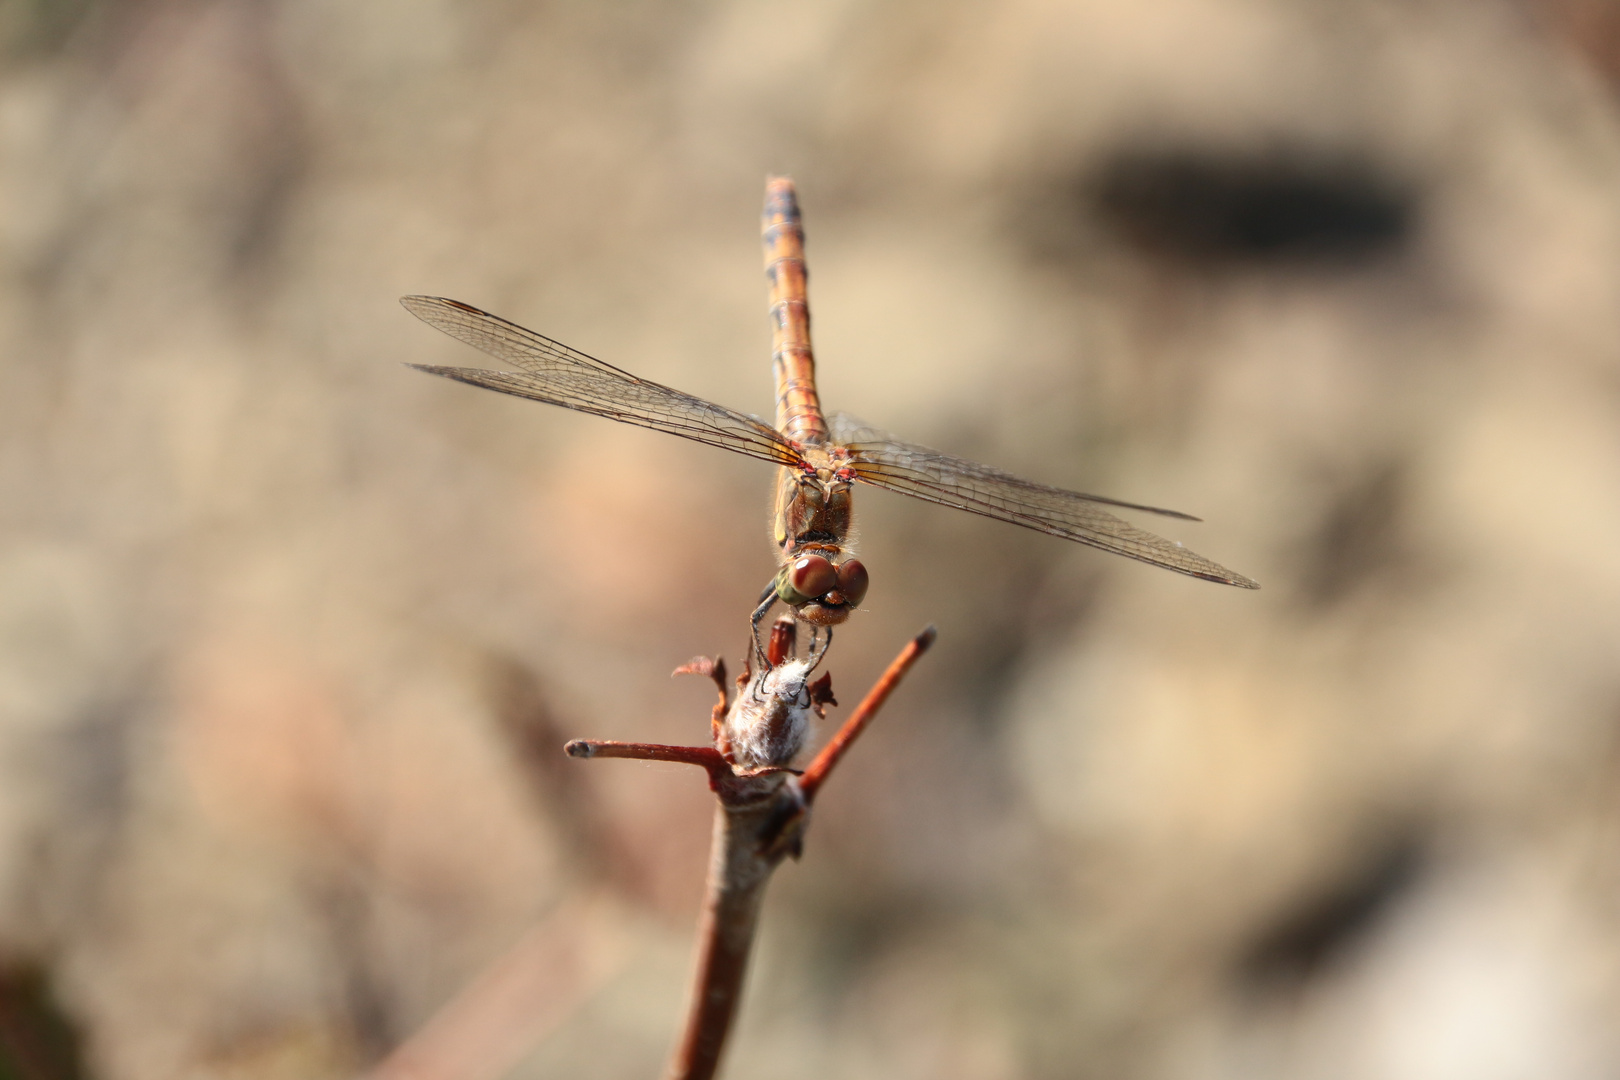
(798, 409)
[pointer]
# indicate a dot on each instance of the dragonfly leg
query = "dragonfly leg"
(766, 599)
(815, 657)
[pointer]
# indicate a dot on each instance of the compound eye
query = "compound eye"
(852, 582)
(812, 576)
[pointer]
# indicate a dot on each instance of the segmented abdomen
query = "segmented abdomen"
(798, 409)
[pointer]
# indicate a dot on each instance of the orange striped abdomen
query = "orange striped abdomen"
(798, 409)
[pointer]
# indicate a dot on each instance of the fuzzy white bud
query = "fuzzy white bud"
(768, 722)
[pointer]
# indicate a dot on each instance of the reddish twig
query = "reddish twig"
(762, 810)
(740, 864)
(760, 819)
(705, 756)
(839, 744)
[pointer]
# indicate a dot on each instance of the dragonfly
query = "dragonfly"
(820, 457)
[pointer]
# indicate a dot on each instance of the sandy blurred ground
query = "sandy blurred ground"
(288, 628)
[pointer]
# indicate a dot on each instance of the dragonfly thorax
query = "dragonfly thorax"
(812, 507)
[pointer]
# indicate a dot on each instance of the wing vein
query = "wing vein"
(554, 374)
(884, 461)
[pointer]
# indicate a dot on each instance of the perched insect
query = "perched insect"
(820, 456)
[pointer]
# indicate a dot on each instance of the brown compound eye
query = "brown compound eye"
(852, 582)
(812, 576)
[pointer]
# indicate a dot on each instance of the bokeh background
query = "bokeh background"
(290, 635)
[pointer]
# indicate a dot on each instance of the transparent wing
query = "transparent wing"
(881, 460)
(557, 375)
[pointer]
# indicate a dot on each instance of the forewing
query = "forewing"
(883, 461)
(557, 375)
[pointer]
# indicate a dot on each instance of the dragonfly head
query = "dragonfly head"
(822, 592)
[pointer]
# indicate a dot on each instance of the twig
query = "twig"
(839, 744)
(740, 865)
(751, 836)
(761, 813)
(705, 756)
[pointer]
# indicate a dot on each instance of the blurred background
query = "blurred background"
(290, 635)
